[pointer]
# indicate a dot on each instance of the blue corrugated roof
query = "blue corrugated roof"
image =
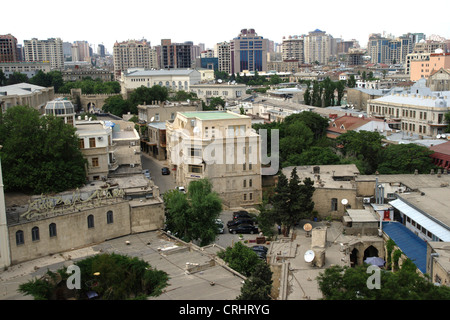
(410, 244)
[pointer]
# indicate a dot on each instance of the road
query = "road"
(164, 182)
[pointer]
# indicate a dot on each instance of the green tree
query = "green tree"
(17, 77)
(48, 159)
(340, 87)
(144, 95)
(351, 82)
(314, 156)
(297, 137)
(259, 285)
(405, 159)
(111, 276)
(328, 92)
(3, 79)
(240, 258)
(215, 102)
(364, 145)
(345, 283)
(307, 94)
(192, 216)
(447, 120)
(116, 105)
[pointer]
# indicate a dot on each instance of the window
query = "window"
(245, 197)
(91, 142)
(250, 182)
(333, 204)
(81, 144)
(52, 230)
(195, 169)
(35, 234)
(195, 152)
(251, 196)
(90, 221)
(109, 217)
(95, 162)
(19, 237)
(245, 183)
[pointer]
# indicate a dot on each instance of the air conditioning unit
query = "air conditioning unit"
(366, 200)
(132, 143)
(100, 138)
(132, 165)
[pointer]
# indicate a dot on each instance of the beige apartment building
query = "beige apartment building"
(45, 50)
(293, 49)
(220, 146)
(317, 47)
(226, 91)
(133, 54)
(222, 52)
(419, 114)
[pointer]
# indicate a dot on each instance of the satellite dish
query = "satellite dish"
(344, 202)
(219, 81)
(307, 227)
(309, 256)
(153, 118)
(438, 136)
(196, 129)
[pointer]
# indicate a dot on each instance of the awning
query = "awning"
(432, 226)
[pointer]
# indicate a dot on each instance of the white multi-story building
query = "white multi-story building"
(317, 46)
(45, 50)
(177, 79)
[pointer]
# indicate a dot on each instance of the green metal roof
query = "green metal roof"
(211, 115)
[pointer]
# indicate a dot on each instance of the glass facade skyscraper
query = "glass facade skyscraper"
(248, 52)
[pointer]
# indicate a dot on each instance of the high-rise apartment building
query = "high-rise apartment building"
(8, 48)
(176, 55)
(248, 51)
(293, 48)
(389, 50)
(222, 52)
(317, 47)
(101, 50)
(133, 54)
(80, 51)
(45, 50)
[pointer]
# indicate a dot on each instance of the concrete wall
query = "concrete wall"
(322, 201)
(146, 215)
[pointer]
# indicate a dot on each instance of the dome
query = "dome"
(441, 103)
(59, 107)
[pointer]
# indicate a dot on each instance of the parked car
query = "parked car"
(243, 228)
(241, 215)
(261, 251)
(181, 189)
(165, 171)
(239, 221)
(219, 223)
(146, 173)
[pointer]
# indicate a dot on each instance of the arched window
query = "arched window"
(90, 221)
(109, 217)
(35, 234)
(19, 237)
(52, 230)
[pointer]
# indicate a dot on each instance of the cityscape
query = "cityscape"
(310, 166)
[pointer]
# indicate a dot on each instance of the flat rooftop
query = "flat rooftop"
(212, 115)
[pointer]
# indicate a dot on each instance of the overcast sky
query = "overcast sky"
(210, 22)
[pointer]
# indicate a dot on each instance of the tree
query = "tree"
(296, 138)
(351, 82)
(315, 156)
(405, 159)
(447, 120)
(39, 154)
(144, 95)
(307, 94)
(17, 77)
(116, 105)
(259, 285)
(3, 79)
(192, 216)
(48, 79)
(364, 145)
(328, 95)
(216, 101)
(345, 283)
(240, 258)
(340, 87)
(111, 276)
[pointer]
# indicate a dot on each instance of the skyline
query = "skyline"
(210, 22)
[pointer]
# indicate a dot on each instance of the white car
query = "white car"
(181, 189)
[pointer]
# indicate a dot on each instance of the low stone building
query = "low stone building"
(25, 94)
(335, 188)
(50, 224)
